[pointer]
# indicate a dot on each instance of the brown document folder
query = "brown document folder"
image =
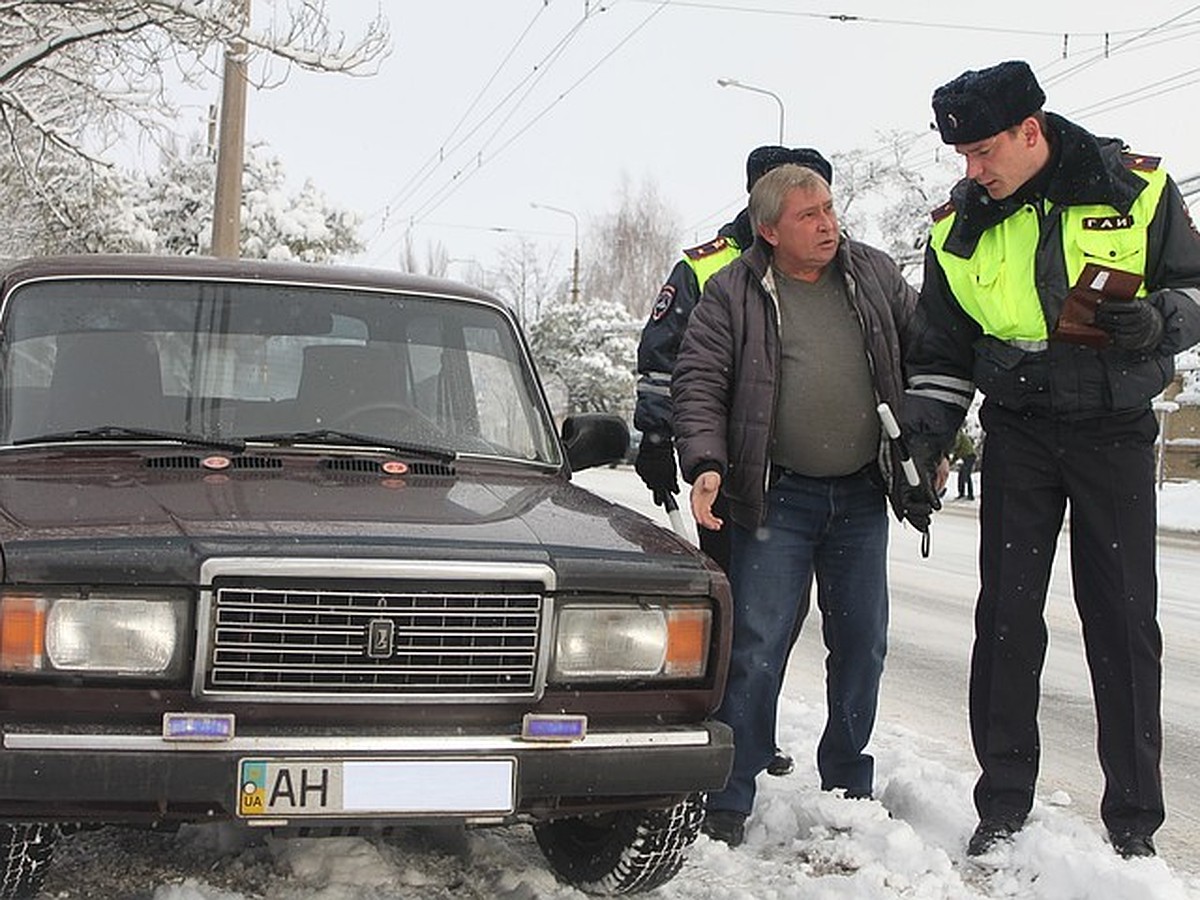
(1095, 283)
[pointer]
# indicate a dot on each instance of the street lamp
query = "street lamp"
(733, 82)
(575, 264)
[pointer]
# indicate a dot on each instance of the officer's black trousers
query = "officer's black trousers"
(1032, 469)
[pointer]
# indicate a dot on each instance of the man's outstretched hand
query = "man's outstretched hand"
(704, 492)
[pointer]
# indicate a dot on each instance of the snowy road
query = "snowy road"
(925, 684)
(930, 640)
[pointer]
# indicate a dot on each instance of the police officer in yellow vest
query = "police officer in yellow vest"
(1067, 422)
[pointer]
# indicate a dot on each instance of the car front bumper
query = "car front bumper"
(107, 776)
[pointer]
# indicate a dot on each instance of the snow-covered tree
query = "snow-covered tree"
(170, 212)
(75, 74)
(178, 209)
(591, 349)
(75, 209)
(75, 77)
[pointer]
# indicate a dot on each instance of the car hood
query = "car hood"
(156, 518)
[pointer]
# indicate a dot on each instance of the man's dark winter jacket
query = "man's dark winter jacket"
(1066, 381)
(726, 374)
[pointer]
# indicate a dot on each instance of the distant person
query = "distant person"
(775, 391)
(655, 461)
(964, 454)
(1049, 210)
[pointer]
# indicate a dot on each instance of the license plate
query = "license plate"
(292, 788)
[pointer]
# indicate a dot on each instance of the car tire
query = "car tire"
(26, 850)
(623, 852)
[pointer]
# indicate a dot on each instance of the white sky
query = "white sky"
(557, 101)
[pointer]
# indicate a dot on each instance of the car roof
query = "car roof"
(208, 268)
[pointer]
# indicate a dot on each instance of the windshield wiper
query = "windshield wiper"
(337, 436)
(127, 433)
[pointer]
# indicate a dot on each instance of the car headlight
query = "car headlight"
(123, 634)
(624, 642)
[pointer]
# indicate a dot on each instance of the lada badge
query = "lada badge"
(216, 463)
(394, 467)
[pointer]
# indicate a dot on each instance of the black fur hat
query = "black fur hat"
(978, 104)
(763, 159)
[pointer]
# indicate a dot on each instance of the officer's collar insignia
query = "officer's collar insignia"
(942, 211)
(716, 245)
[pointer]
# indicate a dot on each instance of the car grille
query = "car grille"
(427, 641)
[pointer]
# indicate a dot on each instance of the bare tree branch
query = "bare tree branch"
(76, 74)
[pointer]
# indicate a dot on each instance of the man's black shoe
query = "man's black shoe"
(781, 764)
(726, 825)
(1130, 844)
(988, 834)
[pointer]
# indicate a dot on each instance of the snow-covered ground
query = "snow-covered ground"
(801, 843)
(1179, 507)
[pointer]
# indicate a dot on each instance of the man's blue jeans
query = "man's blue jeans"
(837, 528)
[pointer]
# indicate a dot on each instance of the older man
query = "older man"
(775, 390)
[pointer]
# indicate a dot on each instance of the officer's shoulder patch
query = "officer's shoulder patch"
(1139, 161)
(942, 211)
(663, 303)
(716, 245)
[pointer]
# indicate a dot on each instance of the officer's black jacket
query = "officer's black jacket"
(663, 332)
(1066, 381)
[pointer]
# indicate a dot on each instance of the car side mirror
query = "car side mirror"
(594, 439)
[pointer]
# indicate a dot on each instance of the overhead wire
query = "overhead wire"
(526, 84)
(450, 187)
(427, 168)
(439, 154)
(927, 158)
(1168, 30)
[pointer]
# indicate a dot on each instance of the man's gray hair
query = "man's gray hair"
(768, 193)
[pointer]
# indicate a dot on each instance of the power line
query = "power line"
(854, 19)
(453, 186)
(439, 154)
(463, 174)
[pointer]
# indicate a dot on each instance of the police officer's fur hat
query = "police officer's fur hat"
(763, 159)
(978, 104)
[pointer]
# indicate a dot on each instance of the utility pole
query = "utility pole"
(227, 204)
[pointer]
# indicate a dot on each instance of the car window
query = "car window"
(236, 361)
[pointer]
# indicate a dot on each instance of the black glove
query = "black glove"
(921, 500)
(1134, 324)
(920, 503)
(655, 464)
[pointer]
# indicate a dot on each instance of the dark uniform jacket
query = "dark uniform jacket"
(726, 375)
(664, 331)
(1066, 380)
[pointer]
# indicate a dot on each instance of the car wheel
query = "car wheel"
(26, 851)
(622, 852)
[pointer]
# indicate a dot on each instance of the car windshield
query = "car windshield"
(199, 361)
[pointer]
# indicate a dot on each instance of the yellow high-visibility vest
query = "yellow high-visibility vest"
(997, 286)
(708, 259)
